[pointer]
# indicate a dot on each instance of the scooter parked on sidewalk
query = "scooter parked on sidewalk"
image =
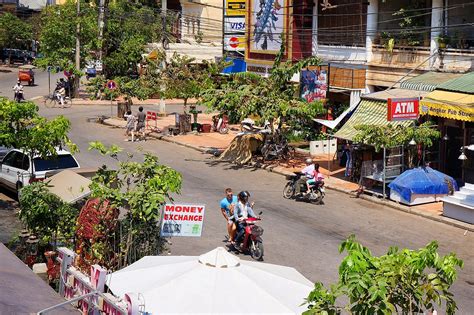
(315, 195)
(220, 124)
(253, 242)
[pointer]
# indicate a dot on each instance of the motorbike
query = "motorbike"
(18, 96)
(315, 195)
(272, 150)
(252, 242)
(221, 124)
(248, 125)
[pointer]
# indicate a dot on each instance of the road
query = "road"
(8, 80)
(296, 234)
(300, 235)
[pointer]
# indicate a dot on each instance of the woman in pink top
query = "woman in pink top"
(318, 178)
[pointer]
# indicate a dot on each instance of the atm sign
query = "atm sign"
(399, 109)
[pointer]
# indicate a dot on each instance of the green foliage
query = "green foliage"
(401, 281)
(141, 189)
(390, 136)
(272, 98)
(58, 35)
(14, 33)
(45, 214)
(21, 127)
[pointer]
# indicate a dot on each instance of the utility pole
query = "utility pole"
(162, 107)
(101, 27)
(78, 50)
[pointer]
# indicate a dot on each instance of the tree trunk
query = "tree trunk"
(185, 104)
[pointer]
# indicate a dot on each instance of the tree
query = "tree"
(46, 215)
(14, 33)
(272, 98)
(140, 190)
(23, 128)
(401, 281)
(58, 35)
(389, 136)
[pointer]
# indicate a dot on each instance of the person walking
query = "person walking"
(130, 127)
(141, 117)
(227, 208)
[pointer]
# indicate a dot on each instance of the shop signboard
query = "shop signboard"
(234, 25)
(182, 220)
(235, 7)
(314, 85)
(399, 109)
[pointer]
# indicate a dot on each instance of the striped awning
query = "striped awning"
(428, 81)
(368, 112)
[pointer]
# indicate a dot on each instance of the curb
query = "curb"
(393, 205)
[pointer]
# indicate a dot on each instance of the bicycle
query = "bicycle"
(52, 100)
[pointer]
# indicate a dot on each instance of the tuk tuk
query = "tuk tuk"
(26, 74)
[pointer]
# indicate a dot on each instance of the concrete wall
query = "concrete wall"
(204, 16)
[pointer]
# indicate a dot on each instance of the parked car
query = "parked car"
(3, 152)
(16, 55)
(17, 170)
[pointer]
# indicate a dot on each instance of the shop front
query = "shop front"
(453, 108)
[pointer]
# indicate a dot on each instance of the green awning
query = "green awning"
(463, 84)
(368, 112)
(428, 81)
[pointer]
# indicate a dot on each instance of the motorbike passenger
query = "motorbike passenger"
(227, 207)
(308, 173)
(317, 180)
(242, 211)
(18, 91)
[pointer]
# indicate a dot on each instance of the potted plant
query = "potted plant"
(442, 40)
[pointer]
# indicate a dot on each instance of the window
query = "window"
(17, 160)
(59, 162)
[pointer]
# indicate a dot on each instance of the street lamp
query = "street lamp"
(463, 156)
(446, 137)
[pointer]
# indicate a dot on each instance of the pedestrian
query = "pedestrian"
(227, 208)
(141, 117)
(130, 127)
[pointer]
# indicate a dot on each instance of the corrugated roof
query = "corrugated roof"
(368, 112)
(393, 93)
(463, 84)
(428, 81)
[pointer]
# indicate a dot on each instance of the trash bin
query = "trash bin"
(122, 108)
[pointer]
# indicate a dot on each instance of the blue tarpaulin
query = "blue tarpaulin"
(422, 181)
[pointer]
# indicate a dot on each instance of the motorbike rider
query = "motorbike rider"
(242, 211)
(18, 91)
(60, 91)
(318, 178)
(308, 172)
(227, 207)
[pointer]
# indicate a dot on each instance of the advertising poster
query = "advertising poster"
(314, 85)
(182, 220)
(268, 22)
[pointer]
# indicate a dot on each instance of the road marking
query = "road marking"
(35, 98)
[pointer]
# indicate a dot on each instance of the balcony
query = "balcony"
(343, 54)
(404, 57)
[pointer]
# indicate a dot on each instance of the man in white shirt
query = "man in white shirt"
(308, 173)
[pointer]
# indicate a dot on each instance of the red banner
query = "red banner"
(402, 109)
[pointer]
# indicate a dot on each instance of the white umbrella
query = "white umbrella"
(215, 282)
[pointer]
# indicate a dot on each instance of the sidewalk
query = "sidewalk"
(334, 174)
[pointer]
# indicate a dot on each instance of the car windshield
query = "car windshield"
(62, 161)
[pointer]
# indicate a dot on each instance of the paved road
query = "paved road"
(296, 234)
(8, 80)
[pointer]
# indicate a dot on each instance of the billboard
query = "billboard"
(314, 85)
(399, 109)
(268, 22)
(182, 220)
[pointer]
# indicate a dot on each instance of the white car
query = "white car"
(16, 168)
